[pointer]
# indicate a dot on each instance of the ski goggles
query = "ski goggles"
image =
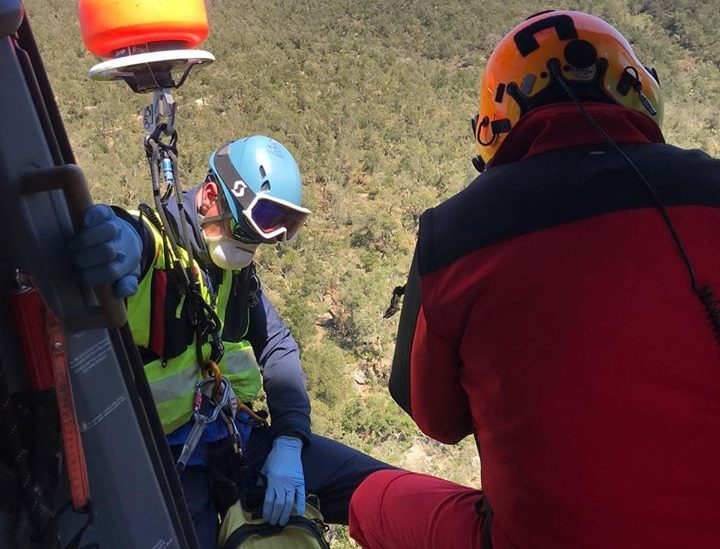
(269, 219)
(264, 220)
(257, 217)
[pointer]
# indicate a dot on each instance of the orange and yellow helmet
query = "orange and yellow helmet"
(547, 55)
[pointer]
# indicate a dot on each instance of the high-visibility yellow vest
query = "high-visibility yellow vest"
(173, 378)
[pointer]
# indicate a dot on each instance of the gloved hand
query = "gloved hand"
(107, 250)
(285, 481)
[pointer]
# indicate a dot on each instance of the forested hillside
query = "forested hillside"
(374, 99)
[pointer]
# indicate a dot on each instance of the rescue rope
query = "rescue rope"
(258, 419)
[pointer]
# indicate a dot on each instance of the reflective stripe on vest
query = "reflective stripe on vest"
(173, 383)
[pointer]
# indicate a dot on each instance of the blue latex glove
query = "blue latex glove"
(107, 251)
(285, 481)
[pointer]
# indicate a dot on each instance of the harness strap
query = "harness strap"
(157, 313)
(204, 320)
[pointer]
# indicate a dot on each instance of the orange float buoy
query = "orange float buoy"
(113, 26)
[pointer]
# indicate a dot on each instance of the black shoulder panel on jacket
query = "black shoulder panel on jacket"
(399, 384)
(560, 187)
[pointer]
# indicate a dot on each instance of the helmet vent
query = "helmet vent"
(263, 173)
(527, 84)
(265, 184)
(580, 54)
(499, 93)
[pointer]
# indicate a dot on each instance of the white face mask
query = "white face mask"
(230, 254)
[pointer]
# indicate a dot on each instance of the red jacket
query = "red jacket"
(549, 313)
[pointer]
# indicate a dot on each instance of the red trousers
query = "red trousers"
(400, 510)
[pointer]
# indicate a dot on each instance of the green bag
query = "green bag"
(242, 529)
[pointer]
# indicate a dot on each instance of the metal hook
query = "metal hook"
(160, 112)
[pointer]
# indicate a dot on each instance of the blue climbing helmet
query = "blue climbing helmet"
(261, 186)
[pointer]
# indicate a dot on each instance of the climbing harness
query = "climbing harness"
(162, 159)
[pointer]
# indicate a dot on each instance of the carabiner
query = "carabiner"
(219, 404)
